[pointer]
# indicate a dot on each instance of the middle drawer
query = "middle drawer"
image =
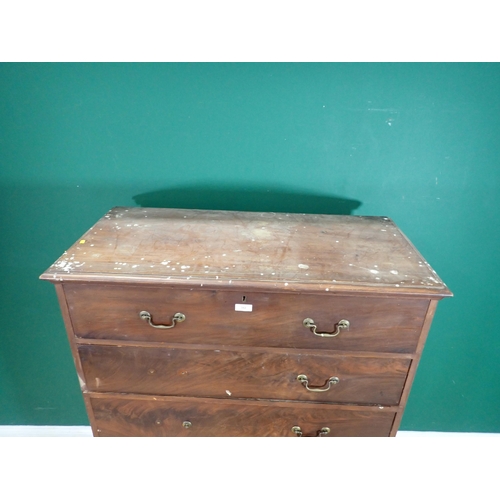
(225, 373)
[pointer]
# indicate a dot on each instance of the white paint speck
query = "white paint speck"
(393, 271)
(228, 392)
(303, 266)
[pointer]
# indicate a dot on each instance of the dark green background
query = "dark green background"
(419, 143)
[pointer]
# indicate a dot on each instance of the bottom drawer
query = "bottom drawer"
(124, 415)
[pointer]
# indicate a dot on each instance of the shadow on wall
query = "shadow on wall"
(254, 199)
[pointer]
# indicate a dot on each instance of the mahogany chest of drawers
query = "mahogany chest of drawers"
(218, 323)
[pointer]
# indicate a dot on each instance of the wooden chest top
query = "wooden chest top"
(283, 251)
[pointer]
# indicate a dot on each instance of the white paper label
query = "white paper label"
(243, 307)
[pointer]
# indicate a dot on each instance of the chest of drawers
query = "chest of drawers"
(218, 323)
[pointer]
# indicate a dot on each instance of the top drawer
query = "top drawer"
(275, 319)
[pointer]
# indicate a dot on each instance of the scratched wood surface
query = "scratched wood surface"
(232, 374)
(325, 253)
(149, 416)
(245, 283)
(276, 320)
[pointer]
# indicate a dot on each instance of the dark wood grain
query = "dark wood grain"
(231, 371)
(376, 324)
(301, 251)
(164, 416)
(232, 374)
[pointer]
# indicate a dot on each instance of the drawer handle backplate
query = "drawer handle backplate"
(305, 382)
(343, 324)
(178, 318)
(322, 432)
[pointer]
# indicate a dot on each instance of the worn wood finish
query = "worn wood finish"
(285, 251)
(235, 374)
(376, 324)
(245, 282)
(131, 416)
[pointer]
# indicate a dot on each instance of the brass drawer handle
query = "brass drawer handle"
(322, 432)
(305, 382)
(341, 325)
(178, 318)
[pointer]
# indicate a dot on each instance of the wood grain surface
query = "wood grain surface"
(232, 374)
(224, 248)
(276, 320)
(245, 282)
(134, 416)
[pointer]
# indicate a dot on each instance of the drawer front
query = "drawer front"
(276, 320)
(163, 416)
(233, 374)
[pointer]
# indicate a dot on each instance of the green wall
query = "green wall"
(419, 143)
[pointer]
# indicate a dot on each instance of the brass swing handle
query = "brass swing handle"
(322, 432)
(177, 318)
(343, 324)
(305, 382)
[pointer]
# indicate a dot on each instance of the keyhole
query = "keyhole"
(244, 298)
